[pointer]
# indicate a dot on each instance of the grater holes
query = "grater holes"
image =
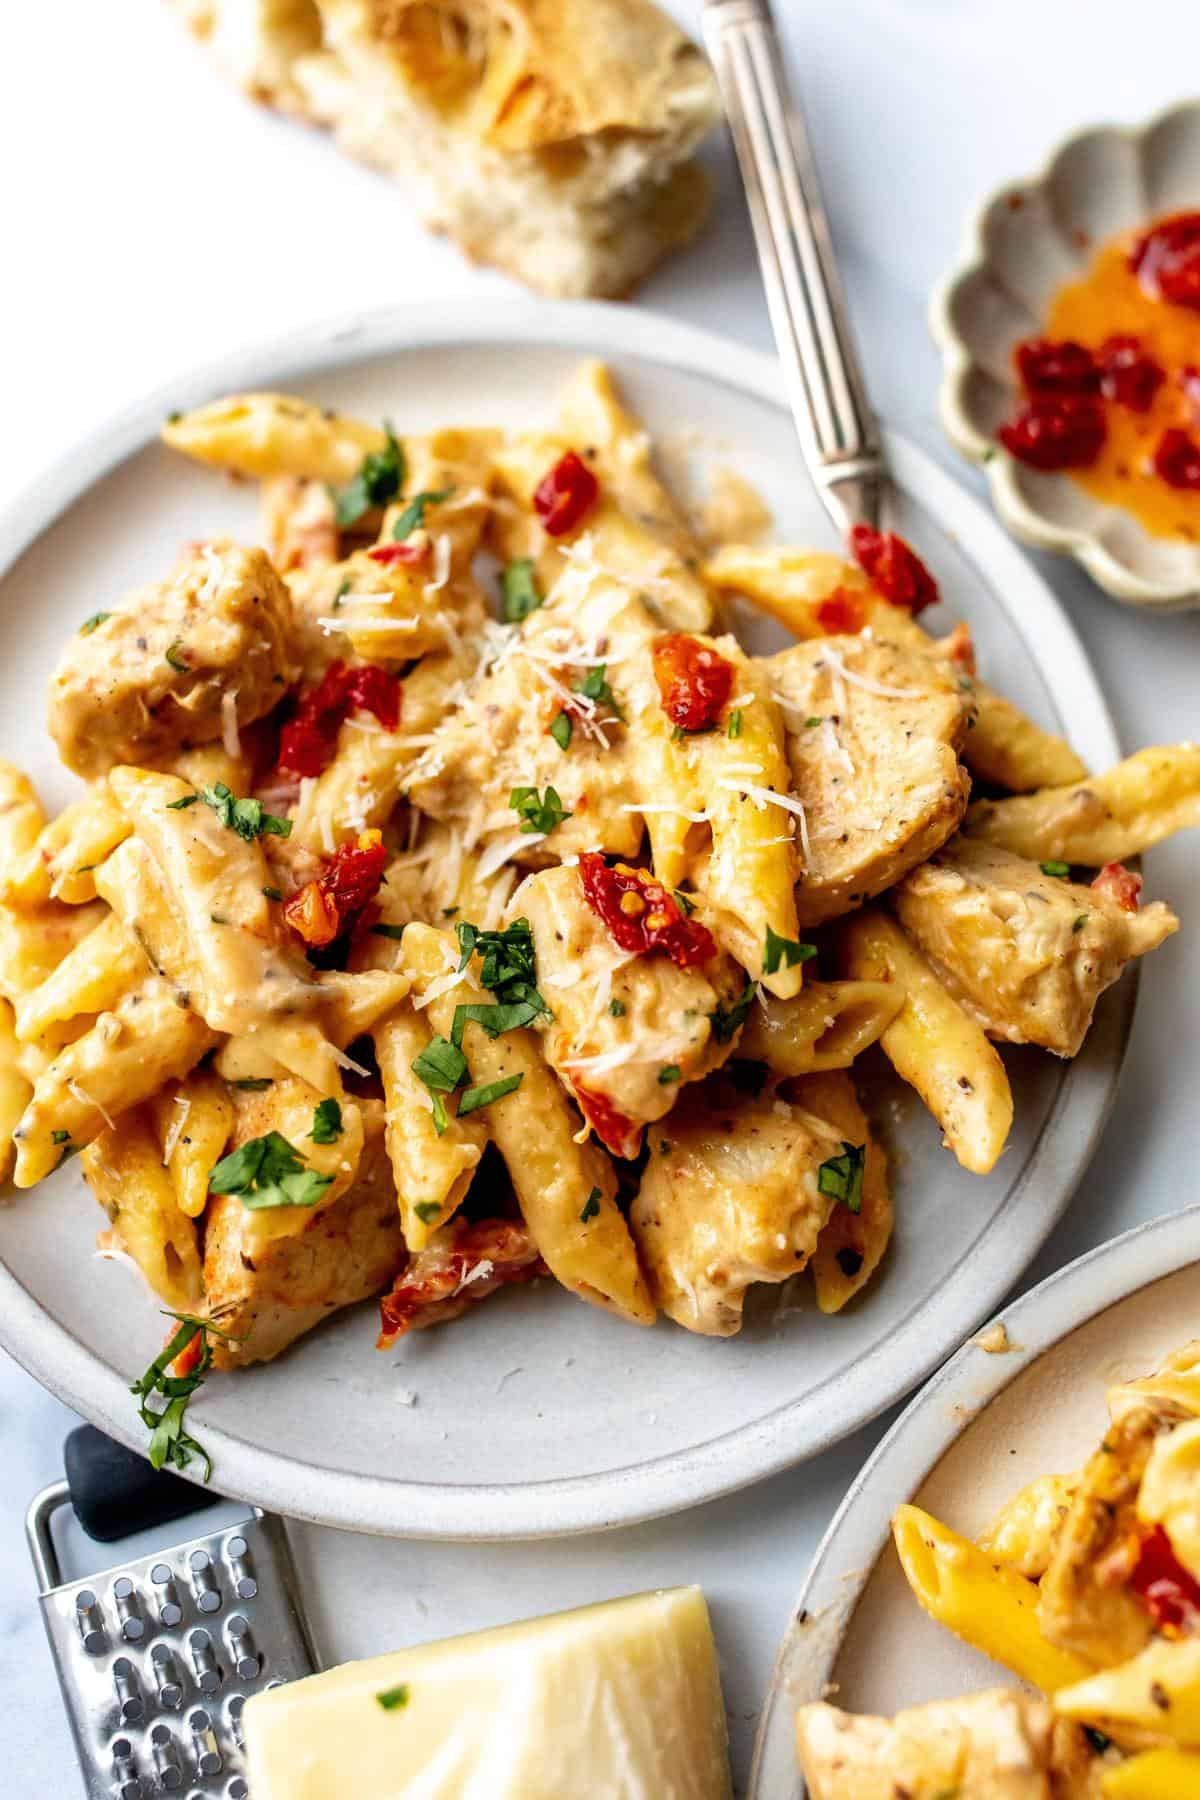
(204, 1662)
(129, 1699)
(90, 1621)
(204, 1743)
(204, 1582)
(133, 1626)
(237, 1789)
(166, 1759)
(245, 1660)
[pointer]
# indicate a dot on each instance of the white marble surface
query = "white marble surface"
(151, 218)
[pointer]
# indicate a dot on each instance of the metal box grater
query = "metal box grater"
(157, 1657)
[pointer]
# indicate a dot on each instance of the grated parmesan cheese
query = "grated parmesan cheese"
(177, 1125)
(231, 741)
(80, 1093)
(833, 658)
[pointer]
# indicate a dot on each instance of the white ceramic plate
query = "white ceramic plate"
(985, 1426)
(540, 1415)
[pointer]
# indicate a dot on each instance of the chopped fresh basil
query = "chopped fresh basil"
(327, 1122)
(343, 590)
(414, 513)
(1097, 1739)
(668, 1074)
(475, 1097)
(59, 1137)
(448, 912)
(173, 418)
(179, 805)
(687, 905)
(272, 893)
(617, 1008)
(1055, 868)
(169, 1442)
(253, 1084)
(561, 729)
(395, 932)
(1080, 922)
(89, 625)
(727, 1021)
(594, 686)
(518, 585)
(815, 720)
(174, 655)
(246, 817)
(379, 479)
(391, 1699)
(507, 966)
(734, 727)
(427, 1210)
(497, 1019)
(841, 1177)
(268, 1172)
(591, 1207)
(441, 1066)
(781, 952)
(535, 812)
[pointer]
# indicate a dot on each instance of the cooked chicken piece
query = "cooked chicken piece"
(299, 523)
(270, 1275)
(461, 1264)
(178, 664)
(614, 1061)
(873, 736)
(584, 656)
(1085, 1603)
(730, 1195)
(997, 1745)
(1025, 1530)
(1026, 953)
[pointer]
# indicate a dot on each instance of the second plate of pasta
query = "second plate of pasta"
(504, 861)
(1007, 1599)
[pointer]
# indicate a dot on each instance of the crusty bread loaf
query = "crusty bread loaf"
(554, 139)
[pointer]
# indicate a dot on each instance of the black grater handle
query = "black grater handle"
(115, 1491)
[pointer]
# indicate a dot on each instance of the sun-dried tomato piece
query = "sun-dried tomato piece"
(618, 1133)
(894, 568)
(1056, 432)
(1170, 1595)
(190, 1357)
(1119, 884)
(1167, 260)
(641, 916)
(842, 612)
(325, 908)
(414, 549)
(694, 681)
(565, 494)
(309, 739)
(1177, 460)
(463, 1263)
(1066, 367)
(1127, 374)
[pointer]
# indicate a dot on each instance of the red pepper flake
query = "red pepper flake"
(841, 612)
(1167, 260)
(1164, 1586)
(1046, 367)
(309, 738)
(1189, 380)
(565, 495)
(694, 681)
(1177, 460)
(621, 1135)
(895, 568)
(1056, 432)
(414, 549)
(325, 908)
(641, 916)
(1120, 885)
(1128, 375)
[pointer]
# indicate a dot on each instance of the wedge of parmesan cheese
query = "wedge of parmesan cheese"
(620, 1701)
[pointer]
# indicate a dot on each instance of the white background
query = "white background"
(152, 217)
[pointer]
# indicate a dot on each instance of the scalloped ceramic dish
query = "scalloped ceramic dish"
(1027, 240)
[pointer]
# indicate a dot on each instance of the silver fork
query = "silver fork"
(838, 433)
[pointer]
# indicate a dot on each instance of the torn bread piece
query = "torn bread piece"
(554, 139)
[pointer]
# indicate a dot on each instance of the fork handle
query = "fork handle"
(839, 437)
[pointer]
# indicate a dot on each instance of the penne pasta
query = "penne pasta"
(1102, 819)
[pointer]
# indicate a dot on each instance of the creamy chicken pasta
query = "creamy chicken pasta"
(453, 901)
(1086, 1586)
